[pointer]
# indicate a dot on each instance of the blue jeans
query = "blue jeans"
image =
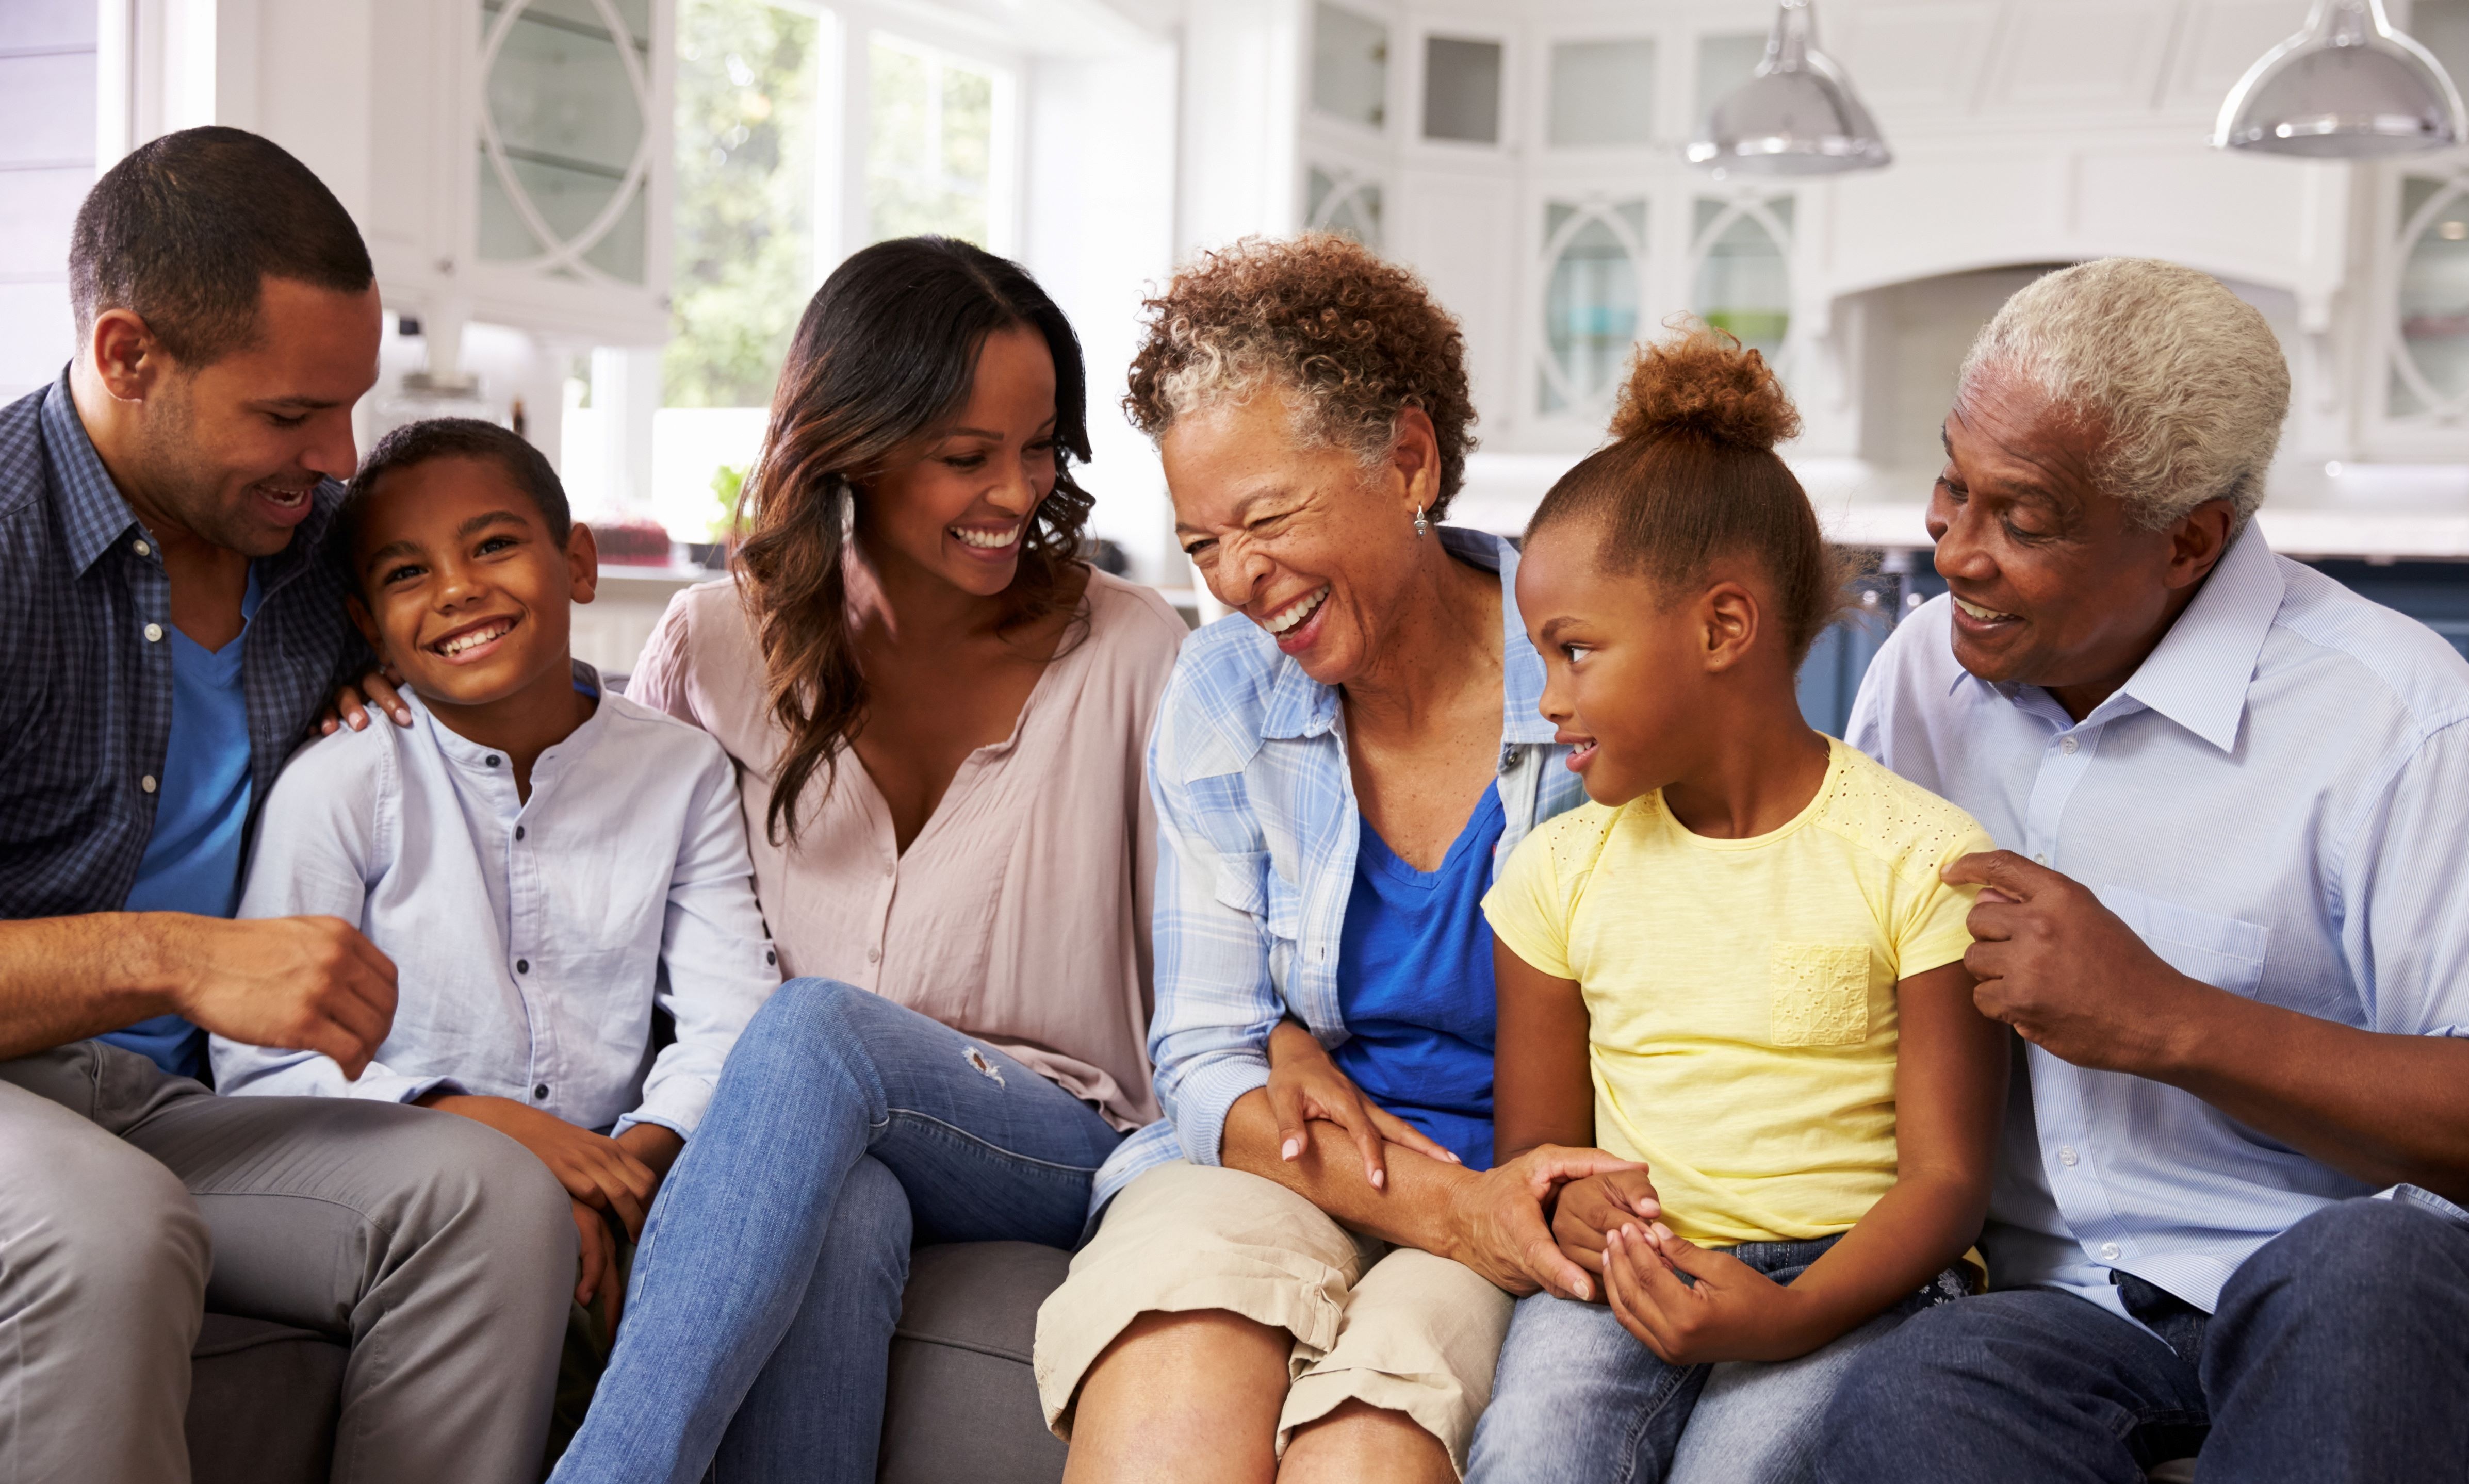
(2340, 1351)
(1577, 1398)
(758, 1323)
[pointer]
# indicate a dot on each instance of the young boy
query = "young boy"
(544, 862)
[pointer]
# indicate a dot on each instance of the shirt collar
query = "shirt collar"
(472, 757)
(92, 512)
(95, 514)
(2198, 675)
(1301, 706)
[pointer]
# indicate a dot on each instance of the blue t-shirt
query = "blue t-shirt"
(192, 862)
(1414, 982)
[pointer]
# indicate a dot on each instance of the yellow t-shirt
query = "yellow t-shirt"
(1741, 993)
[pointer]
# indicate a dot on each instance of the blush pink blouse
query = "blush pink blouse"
(1020, 914)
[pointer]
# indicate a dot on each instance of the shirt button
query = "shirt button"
(143, 548)
(1508, 759)
(523, 966)
(147, 783)
(2039, 860)
(2067, 745)
(492, 760)
(874, 955)
(540, 1092)
(2066, 1155)
(771, 957)
(519, 831)
(890, 870)
(153, 633)
(2109, 1251)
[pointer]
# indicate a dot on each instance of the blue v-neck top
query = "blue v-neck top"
(1413, 981)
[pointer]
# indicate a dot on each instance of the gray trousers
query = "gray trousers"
(440, 1251)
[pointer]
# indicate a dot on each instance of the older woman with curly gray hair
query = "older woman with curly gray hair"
(1305, 1269)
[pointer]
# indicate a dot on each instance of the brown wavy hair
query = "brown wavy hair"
(883, 356)
(1691, 475)
(1354, 338)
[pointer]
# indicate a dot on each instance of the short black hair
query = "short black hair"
(184, 231)
(449, 438)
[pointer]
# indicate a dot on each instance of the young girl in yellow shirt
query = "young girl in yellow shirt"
(1737, 965)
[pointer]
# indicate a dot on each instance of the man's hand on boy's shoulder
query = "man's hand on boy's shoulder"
(595, 1169)
(1589, 1209)
(380, 689)
(294, 983)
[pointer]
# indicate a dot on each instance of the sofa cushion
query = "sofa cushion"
(263, 1398)
(963, 1402)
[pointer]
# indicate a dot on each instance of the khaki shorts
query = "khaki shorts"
(1392, 1326)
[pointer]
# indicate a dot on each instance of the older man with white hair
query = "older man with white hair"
(2227, 925)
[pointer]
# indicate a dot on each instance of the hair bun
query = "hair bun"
(1702, 382)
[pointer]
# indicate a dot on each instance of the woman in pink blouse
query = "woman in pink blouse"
(937, 715)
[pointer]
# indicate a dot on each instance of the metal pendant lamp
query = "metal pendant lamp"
(1797, 116)
(2349, 87)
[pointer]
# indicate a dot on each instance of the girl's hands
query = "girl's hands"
(1305, 1085)
(1599, 1204)
(597, 1170)
(1731, 1313)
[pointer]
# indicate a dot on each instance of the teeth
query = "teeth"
(1295, 612)
(1976, 610)
(472, 640)
(987, 540)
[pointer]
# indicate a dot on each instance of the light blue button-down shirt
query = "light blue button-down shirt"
(532, 936)
(1257, 828)
(2274, 802)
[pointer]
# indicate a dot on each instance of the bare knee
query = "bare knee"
(1188, 1395)
(1355, 1441)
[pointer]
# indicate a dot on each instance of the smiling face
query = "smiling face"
(462, 587)
(2054, 583)
(959, 508)
(1626, 668)
(1305, 541)
(232, 451)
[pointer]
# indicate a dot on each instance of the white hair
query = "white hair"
(2180, 379)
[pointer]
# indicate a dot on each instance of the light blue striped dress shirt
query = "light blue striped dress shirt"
(2274, 803)
(1257, 828)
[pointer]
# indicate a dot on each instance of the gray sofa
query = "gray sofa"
(961, 1405)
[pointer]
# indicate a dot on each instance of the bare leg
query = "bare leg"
(1192, 1398)
(1358, 1443)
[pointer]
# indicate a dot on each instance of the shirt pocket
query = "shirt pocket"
(2225, 952)
(1817, 994)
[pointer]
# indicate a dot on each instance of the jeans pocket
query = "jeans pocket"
(1817, 994)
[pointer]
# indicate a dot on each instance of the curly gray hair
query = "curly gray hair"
(2182, 380)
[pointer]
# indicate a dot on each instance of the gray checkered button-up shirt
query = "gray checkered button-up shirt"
(86, 697)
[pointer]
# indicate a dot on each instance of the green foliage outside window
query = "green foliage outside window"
(745, 200)
(929, 151)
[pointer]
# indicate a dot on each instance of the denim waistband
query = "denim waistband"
(1769, 1257)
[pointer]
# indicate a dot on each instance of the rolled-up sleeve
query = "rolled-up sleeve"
(1216, 1002)
(717, 963)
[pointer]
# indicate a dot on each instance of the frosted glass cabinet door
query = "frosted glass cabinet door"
(1744, 276)
(1349, 67)
(1602, 93)
(563, 161)
(1592, 254)
(2431, 359)
(1461, 90)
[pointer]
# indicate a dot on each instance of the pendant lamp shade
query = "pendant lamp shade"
(2348, 87)
(1797, 116)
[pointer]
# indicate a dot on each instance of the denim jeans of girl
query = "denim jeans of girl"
(758, 1322)
(1578, 1399)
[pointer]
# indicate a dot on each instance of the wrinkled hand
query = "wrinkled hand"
(1306, 1084)
(595, 1169)
(2064, 971)
(297, 983)
(1732, 1312)
(1496, 1219)
(1591, 1209)
(598, 1246)
(380, 688)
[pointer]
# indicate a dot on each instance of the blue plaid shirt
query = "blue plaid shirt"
(1258, 825)
(85, 696)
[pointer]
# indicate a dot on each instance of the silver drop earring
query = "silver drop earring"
(1420, 524)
